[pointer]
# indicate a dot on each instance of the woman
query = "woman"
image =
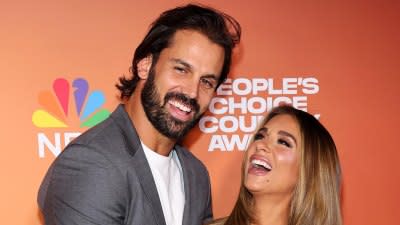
(290, 174)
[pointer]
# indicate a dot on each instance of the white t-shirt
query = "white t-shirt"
(167, 173)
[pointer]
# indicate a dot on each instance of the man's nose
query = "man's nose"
(191, 88)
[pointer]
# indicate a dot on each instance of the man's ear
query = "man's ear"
(143, 67)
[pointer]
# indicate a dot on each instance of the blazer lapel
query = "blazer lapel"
(140, 163)
(148, 184)
(187, 174)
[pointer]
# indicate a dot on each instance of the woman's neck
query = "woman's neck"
(271, 210)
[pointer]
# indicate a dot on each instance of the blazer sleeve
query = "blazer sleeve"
(83, 188)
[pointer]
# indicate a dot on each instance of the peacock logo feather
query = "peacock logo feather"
(56, 105)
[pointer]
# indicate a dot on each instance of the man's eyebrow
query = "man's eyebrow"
(210, 76)
(287, 134)
(190, 68)
(183, 63)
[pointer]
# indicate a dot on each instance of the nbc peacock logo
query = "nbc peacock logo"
(67, 106)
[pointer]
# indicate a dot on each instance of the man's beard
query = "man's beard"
(159, 116)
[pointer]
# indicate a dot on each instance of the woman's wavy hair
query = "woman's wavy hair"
(316, 197)
(219, 27)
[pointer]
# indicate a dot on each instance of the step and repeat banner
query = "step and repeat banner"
(60, 61)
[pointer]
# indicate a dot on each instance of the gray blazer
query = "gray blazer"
(103, 177)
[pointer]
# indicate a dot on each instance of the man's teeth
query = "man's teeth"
(181, 106)
(262, 163)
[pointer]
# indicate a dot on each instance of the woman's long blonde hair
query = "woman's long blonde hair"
(316, 198)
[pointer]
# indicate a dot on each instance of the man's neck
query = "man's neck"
(148, 134)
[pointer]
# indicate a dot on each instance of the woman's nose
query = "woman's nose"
(263, 145)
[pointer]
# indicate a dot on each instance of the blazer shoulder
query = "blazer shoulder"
(116, 135)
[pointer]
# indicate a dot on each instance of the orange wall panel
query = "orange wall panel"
(349, 50)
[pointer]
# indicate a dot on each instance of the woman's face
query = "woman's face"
(272, 160)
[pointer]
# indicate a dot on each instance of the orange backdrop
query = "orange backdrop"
(339, 60)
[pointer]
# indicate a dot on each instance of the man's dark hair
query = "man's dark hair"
(219, 27)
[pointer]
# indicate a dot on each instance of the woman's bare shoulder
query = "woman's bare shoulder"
(220, 221)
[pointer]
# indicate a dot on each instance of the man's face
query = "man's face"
(181, 84)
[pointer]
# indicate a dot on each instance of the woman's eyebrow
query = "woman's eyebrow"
(287, 134)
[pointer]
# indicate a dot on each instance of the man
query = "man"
(129, 169)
